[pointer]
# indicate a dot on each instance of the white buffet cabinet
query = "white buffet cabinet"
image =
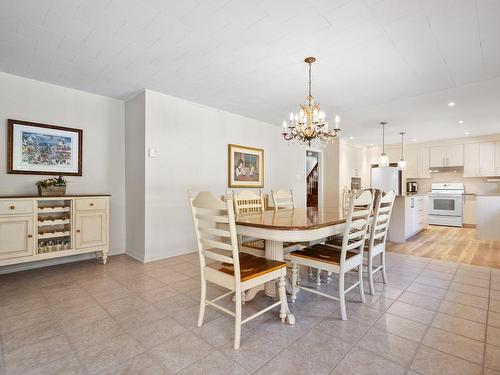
(410, 215)
(37, 228)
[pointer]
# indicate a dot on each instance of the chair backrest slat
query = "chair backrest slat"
(247, 201)
(381, 217)
(357, 221)
(283, 199)
(215, 230)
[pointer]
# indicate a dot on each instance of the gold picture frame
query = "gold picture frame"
(245, 167)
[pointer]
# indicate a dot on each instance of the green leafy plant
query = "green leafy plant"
(59, 181)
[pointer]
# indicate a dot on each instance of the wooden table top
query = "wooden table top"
(299, 218)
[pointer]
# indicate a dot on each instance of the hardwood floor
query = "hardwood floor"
(453, 244)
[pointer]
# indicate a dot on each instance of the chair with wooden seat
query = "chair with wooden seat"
(334, 260)
(216, 237)
(282, 199)
(379, 228)
(248, 201)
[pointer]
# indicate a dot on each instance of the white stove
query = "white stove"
(446, 204)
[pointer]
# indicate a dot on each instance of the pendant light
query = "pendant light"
(383, 160)
(402, 161)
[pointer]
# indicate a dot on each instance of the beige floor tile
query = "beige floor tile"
(109, 353)
(31, 302)
(474, 281)
(82, 316)
(495, 285)
(460, 326)
(215, 363)
(155, 295)
(26, 319)
(494, 319)
(467, 299)
(430, 361)
(172, 306)
(363, 362)
(492, 357)
(69, 365)
(488, 371)
(157, 332)
(454, 344)
(37, 332)
(437, 275)
(470, 289)
(181, 351)
(494, 305)
(495, 294)
(411, 312)
(140, 283)
(288, 362)
(427, 290)
(119, 306)
(389, 346)
(106, 295)
(420, 300)
(464, 311)
(93, 333)
(143, 364)
(431, 281)
(136, 318)
(346, 330)
(493, 336)
(476, 274)
(405, 328)
(37, 354)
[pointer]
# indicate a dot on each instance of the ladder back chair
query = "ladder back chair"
(283, 199)
(334, 260)
(378, 234)
(216, 238)
(248, 201)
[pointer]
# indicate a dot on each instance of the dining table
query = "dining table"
(296, 225)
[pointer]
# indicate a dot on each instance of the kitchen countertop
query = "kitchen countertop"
(413, 195)
(489, 195)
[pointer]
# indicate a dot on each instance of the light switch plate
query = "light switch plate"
(154, 153)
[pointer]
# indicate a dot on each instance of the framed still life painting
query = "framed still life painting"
(43, 149)
(246, 167)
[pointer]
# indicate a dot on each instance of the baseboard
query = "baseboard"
(53, 262)
(136, 257)
(469, 225)
(182, 252)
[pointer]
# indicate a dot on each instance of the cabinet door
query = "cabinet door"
(16, 236)
(454, 155)
(487, 159)
(437, 156)
(411, 170)
(394, 154)
(91, 229)
(471, 162)
(497, 158)
(423, 163)
(469, 209)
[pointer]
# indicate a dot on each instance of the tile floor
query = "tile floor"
(434, 317)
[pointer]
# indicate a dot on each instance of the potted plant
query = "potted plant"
(52, 187)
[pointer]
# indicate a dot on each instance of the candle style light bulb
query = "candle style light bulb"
(291, 116)
(284, 125)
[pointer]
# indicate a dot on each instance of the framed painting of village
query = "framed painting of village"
(245, 167)
(43, 149)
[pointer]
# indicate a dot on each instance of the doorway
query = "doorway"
(313, 178)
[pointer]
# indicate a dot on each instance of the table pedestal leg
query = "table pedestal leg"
(274, 251)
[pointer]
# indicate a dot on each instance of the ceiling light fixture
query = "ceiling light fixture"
(310, 123)
(467, 133)
(461, 122)
(383, 160)
(402, 161)
(451, 104)
(414, 139)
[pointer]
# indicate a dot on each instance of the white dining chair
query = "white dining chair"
(247, 201)
(216, 239)
(379, 228)
(283, 199)
(334, 260)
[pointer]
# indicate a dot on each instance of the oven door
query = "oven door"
(446, 205)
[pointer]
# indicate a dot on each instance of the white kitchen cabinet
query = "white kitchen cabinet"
(409, 217)
(437, 156)
(16, 236)
(469, 214)
(447, 156)
(487, 159)
(36, 228)
(423, 163)
(411, 170)
(480, 160)
(497, 158)
(471, 164)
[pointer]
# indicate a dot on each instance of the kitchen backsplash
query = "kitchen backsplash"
(472, 185)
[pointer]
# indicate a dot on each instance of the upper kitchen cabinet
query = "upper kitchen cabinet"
(447, 156)
(480, 159)
(417, 163)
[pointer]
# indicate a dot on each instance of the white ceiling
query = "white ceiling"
(396, 60)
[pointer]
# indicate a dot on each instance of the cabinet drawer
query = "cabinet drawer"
(89, 204)
(13, 207)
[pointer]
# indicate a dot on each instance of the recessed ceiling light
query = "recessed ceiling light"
(371, 144)
(451, 104)
(351, 137)
(467, 133)
(414, 139)
(461, 122)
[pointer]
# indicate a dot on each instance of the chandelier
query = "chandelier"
(310, 123)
